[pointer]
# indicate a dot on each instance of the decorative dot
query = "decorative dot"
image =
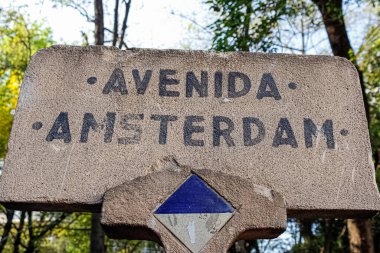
(92, 80)
(292, 86)
(344, 132)
(37, 125)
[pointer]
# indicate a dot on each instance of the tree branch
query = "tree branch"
(52, 225)
(82, 11)
(99, 22)
(124, 26)
(115, 23)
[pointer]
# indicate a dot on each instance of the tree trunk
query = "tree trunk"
(332, 16)
(97, 235)
(115, 23)
(238, 247)
(328, 236)
(20, 227)
(306, 230)
(244, 42)
(30, 248)
(31, 243)
(7, 229)
(99, 22)
(359, 230)
(244, 246)
(360, 234)
(354, 234)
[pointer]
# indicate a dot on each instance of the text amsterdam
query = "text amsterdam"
(193, 126)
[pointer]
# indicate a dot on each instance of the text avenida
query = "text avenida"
(195, 85)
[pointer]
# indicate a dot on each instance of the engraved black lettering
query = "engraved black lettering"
(164, 119)
(141, 85)
(110, 123)
(165, 80)
(218, 82)
(88, 122)
(310, 130)
(247, 131)
(232, 76)
(193, 83)
(60, 129)
(225, 133)
(117, 77)
(135, 129)
(266, 82)
(189, 129)
(284, 127)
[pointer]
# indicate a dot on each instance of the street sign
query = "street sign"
(91, 118)
(191, 149)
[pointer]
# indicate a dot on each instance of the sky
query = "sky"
(151, 23)
(166, 23)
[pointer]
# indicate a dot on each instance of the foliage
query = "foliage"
(19, 40)
(368, 57)
(70, 235)
(327, 235)
(73, 236)
(246, 25)
(34, 231)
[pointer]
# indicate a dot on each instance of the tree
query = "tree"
(368, 58)
(29, 231)
(113, 33)
(256, 25)
(117, 39)
(361, 238)
(19, 40)
(262, 25)
(369, 64)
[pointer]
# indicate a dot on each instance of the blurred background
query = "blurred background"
(345, 28)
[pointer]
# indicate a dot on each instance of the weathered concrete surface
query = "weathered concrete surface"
(128, 209)
(70, 166)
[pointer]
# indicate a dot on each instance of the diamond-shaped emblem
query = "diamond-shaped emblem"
(194, 213)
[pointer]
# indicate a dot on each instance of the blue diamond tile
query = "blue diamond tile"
(194, 196)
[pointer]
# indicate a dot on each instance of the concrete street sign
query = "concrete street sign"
(92, 118)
